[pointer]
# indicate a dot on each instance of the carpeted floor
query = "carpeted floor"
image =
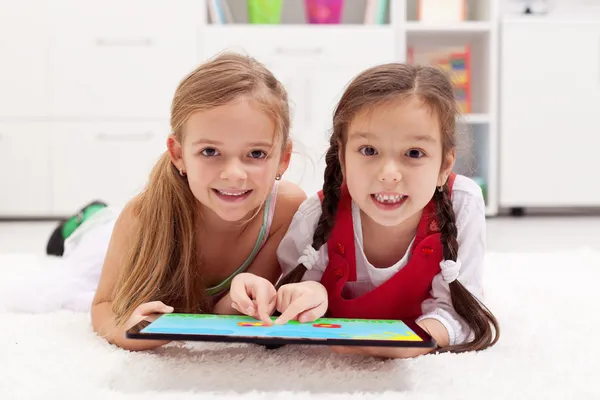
(547, 305)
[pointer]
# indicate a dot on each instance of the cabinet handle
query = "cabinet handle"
(143, 42)
(105, 137)
(299, 51)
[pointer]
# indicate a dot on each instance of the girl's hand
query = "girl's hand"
(147, 311)
(304, 301)
(253, 296)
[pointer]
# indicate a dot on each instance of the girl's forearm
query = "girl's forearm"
(432, 326)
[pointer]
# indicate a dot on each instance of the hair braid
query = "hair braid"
(476, 315)
(332, 184)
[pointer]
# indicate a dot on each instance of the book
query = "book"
(375, 12)
(456, 61)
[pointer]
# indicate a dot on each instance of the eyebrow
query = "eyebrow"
(262, 143)
(413, 138)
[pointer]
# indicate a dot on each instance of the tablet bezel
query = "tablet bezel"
(135, 333)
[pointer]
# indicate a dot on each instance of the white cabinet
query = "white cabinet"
(550, 99)
(25, 175)
(105, 161)
(85, 95)
(100, 77)
(119, 63)
(23, 59)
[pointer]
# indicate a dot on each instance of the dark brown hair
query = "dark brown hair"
(379, 85)
(163, 264)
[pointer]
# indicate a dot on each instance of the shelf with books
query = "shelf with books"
(298, 12)
(468, 63)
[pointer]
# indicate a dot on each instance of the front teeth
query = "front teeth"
(232, 194)
(388, 199)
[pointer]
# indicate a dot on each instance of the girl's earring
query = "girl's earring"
(278, 177)
(441, 188)
(181, 172)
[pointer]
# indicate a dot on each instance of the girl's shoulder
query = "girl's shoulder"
(289, 198)
(466, 187)
(467, 198)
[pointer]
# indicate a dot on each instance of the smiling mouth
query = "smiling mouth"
(388, 199)
(233, 193)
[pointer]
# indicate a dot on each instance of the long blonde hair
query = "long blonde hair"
(163, 263)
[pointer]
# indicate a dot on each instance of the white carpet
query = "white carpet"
(547, 305)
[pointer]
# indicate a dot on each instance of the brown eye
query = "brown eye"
(209, 152)
(415, 153)
(257, 154)
(368, 151)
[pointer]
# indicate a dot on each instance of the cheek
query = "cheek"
(196, 167)
(359, 178)
(423, 178)
(200, 173)
(261, 175)
(261, 170)
(355, 163)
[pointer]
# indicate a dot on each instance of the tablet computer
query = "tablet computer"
(324, 331)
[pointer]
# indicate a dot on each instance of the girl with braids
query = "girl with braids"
(394, 234)
(213, 208)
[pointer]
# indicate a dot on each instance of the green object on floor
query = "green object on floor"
(483, 185)
(76, 220)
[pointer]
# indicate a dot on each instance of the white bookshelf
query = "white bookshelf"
(317, 61)
(92, 84)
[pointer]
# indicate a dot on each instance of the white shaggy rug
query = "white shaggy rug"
(547, 305)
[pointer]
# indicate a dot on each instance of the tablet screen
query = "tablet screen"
(190, 325)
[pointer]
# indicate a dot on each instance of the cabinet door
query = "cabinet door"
(107, 161)
(25, 179)
(304, 44)
(292, 79)
(23, 59)
(321, 87)
(550, 102)
(120, 63)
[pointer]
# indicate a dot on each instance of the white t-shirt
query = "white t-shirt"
(469, 208)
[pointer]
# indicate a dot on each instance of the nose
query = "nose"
(234, 171)
(390, 172)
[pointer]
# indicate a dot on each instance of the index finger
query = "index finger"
(297, 306)
(263, 300)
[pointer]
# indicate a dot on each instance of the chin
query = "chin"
(386, 218)
(389, 221)
(232, 215)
